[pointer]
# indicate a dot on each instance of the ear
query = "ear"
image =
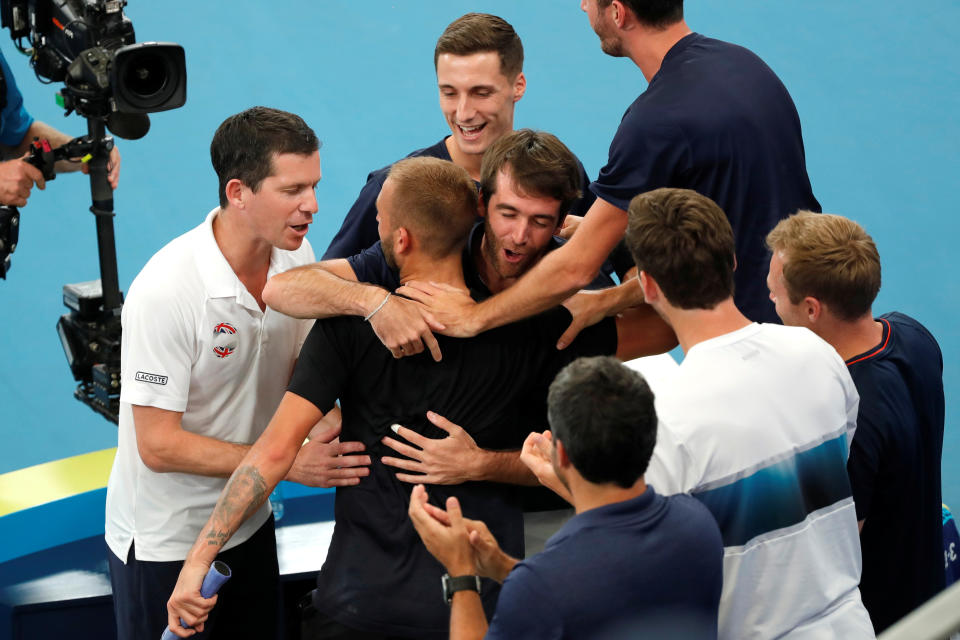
(519, 86)
(734, 263)
(234, 191)
(651, 291)
(482, 206)
(563, 460)
(813, 309)
(619, 13)
(402, 241)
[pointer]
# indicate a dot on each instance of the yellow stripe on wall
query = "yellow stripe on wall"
(50, 481)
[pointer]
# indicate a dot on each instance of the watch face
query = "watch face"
(460, 583)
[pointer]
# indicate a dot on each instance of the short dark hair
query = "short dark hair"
(830, 258)
(244, 145)
(436, 200)
(603, 413)
(657, 14)
(684, 241)
(480, 32)
(539, 164)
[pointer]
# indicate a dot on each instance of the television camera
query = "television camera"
(112, 81)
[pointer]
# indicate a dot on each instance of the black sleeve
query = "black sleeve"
(370, 266)
(321, 371)
(587, 197)
(359, 228)
(597, 340)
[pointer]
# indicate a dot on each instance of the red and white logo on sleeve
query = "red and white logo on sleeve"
(224, 339)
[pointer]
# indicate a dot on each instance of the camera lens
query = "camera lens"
(147, 75)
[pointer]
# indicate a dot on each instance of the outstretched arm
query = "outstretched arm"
(560, 274)
(330, 288)
(264, 465)
(57, 138)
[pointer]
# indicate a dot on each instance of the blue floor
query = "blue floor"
(876, 85)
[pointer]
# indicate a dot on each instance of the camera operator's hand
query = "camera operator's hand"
(113, 166)
(17, 178)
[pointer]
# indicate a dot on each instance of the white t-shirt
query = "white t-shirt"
(757, 425)
(194, 340)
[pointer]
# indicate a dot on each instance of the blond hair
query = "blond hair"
(830, 258)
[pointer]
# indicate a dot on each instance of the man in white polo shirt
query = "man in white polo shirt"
(204, 365)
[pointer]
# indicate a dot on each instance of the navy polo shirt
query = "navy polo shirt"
(894, 468)
(717, 120)
(650, 564)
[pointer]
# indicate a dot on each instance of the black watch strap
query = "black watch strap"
(459, 583)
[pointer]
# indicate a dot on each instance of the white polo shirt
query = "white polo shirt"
(194, 340)
(757, 425)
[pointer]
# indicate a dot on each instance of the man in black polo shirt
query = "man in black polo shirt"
(528, 179)
(378, 579)
(824, 275)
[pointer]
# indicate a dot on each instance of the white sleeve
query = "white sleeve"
(671, 468)
(158, 349)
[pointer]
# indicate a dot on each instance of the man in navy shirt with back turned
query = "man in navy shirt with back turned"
(824, 275)
(714, 119)
(479, 64)
(630, 564)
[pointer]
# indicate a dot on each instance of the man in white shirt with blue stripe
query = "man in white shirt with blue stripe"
(757, 425)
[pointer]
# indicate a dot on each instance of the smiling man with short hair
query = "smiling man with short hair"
(479, 65)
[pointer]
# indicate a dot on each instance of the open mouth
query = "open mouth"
(471, 132)
(512, 256)
(300, 228)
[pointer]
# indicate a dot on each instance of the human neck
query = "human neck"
(469, 161)
(694, 326)
(851, 338)
(448, 270)
(647, 47)
(587, 495)
(249, 257)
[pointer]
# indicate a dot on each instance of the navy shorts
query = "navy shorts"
(249, 602)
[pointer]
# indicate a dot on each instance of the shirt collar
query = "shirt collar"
(218, 276)
(646, 505)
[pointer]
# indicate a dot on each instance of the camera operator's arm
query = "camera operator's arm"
(330, 288)
(57, 138)
(17, 178)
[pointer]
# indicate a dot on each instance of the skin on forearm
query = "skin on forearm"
(503, 466)
(165, 446)
(321, 290)
(561, 272)
(56, 138)
(467, 619)
(266, 463)
(642, 332)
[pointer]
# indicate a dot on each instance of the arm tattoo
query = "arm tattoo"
(242, 496)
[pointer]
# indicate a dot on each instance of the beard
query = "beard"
(388, 254)
(493, 248)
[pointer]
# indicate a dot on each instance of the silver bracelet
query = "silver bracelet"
(380, 306)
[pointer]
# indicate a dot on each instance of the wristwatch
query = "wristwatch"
(460, 583)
